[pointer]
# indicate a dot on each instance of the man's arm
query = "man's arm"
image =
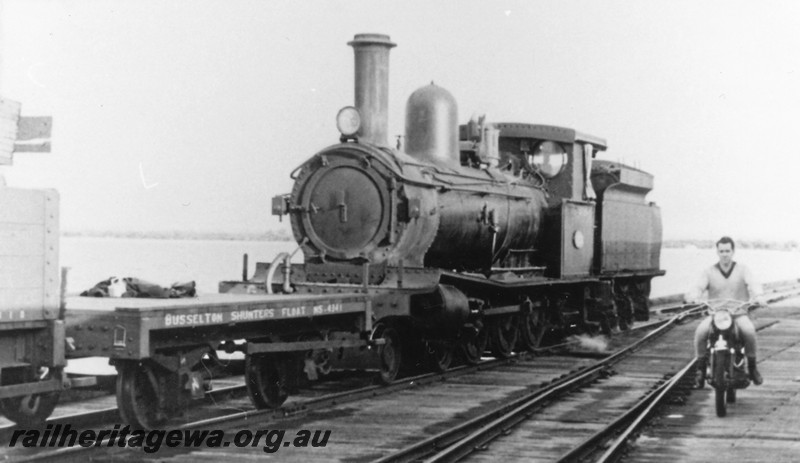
(754, 289)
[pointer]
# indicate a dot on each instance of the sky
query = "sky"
(190, 115)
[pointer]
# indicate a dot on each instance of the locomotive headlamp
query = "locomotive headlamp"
(722, 320)
(549, 158)
(348, 121)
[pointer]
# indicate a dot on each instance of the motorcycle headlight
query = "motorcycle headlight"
(722, 320)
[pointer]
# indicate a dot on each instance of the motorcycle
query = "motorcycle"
(727, 365)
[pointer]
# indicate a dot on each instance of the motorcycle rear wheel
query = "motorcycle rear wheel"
(731, 397)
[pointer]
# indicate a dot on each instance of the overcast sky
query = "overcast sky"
(190, 115)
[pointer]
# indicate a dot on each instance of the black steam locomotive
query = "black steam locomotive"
(473, 236)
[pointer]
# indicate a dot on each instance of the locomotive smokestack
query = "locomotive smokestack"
(372, 85)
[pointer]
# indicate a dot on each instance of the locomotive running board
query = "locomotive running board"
(451, 277)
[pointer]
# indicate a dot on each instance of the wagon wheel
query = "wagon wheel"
(504, 333)
(439, 355)
(389, 354)
(138, 396)
(532, 327)
(29, 410)
(473, 349)
(267, 380)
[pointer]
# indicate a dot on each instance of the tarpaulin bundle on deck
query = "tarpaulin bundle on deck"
(134, 287)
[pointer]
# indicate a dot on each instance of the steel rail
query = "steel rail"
(306, 406)
(453, 449)
(634, 415)
(111, 413)
(459, 441)
(405, 383)
(653, 400)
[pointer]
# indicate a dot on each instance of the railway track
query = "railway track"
(306, 410)
(457, 443)
(359, 383)
(318, 400)
(239, 413)
(529, 420)
(521, 370)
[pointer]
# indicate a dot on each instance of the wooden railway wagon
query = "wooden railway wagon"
(32, 357)
(164, 350)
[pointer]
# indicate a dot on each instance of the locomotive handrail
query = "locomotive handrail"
(421, 183)
(286, 258)
(271, 272)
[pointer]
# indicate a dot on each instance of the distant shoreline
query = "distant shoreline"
(270, 235)
(284, 235)
(740, 244)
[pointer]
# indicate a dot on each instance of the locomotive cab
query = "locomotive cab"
(559, 160)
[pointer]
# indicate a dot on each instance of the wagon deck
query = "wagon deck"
(135, 327)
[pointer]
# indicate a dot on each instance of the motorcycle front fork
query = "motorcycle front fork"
(729, 360)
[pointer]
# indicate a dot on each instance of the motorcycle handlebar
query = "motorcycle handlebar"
(735, 307)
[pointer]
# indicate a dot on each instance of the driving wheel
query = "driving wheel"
(503, 332)
(473, 350)
(532, 327)
(440, 355)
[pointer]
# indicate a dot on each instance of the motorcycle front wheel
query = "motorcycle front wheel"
(720, 399)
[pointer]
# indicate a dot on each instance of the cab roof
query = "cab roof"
(548, 132)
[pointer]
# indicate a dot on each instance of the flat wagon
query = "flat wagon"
(163, 348)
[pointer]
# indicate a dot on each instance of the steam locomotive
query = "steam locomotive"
(473, 237)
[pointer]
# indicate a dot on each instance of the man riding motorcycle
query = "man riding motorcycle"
(733, 281)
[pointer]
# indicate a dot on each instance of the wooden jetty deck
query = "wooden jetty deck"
(763, 425)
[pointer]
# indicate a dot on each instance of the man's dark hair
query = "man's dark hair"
(725, 240)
